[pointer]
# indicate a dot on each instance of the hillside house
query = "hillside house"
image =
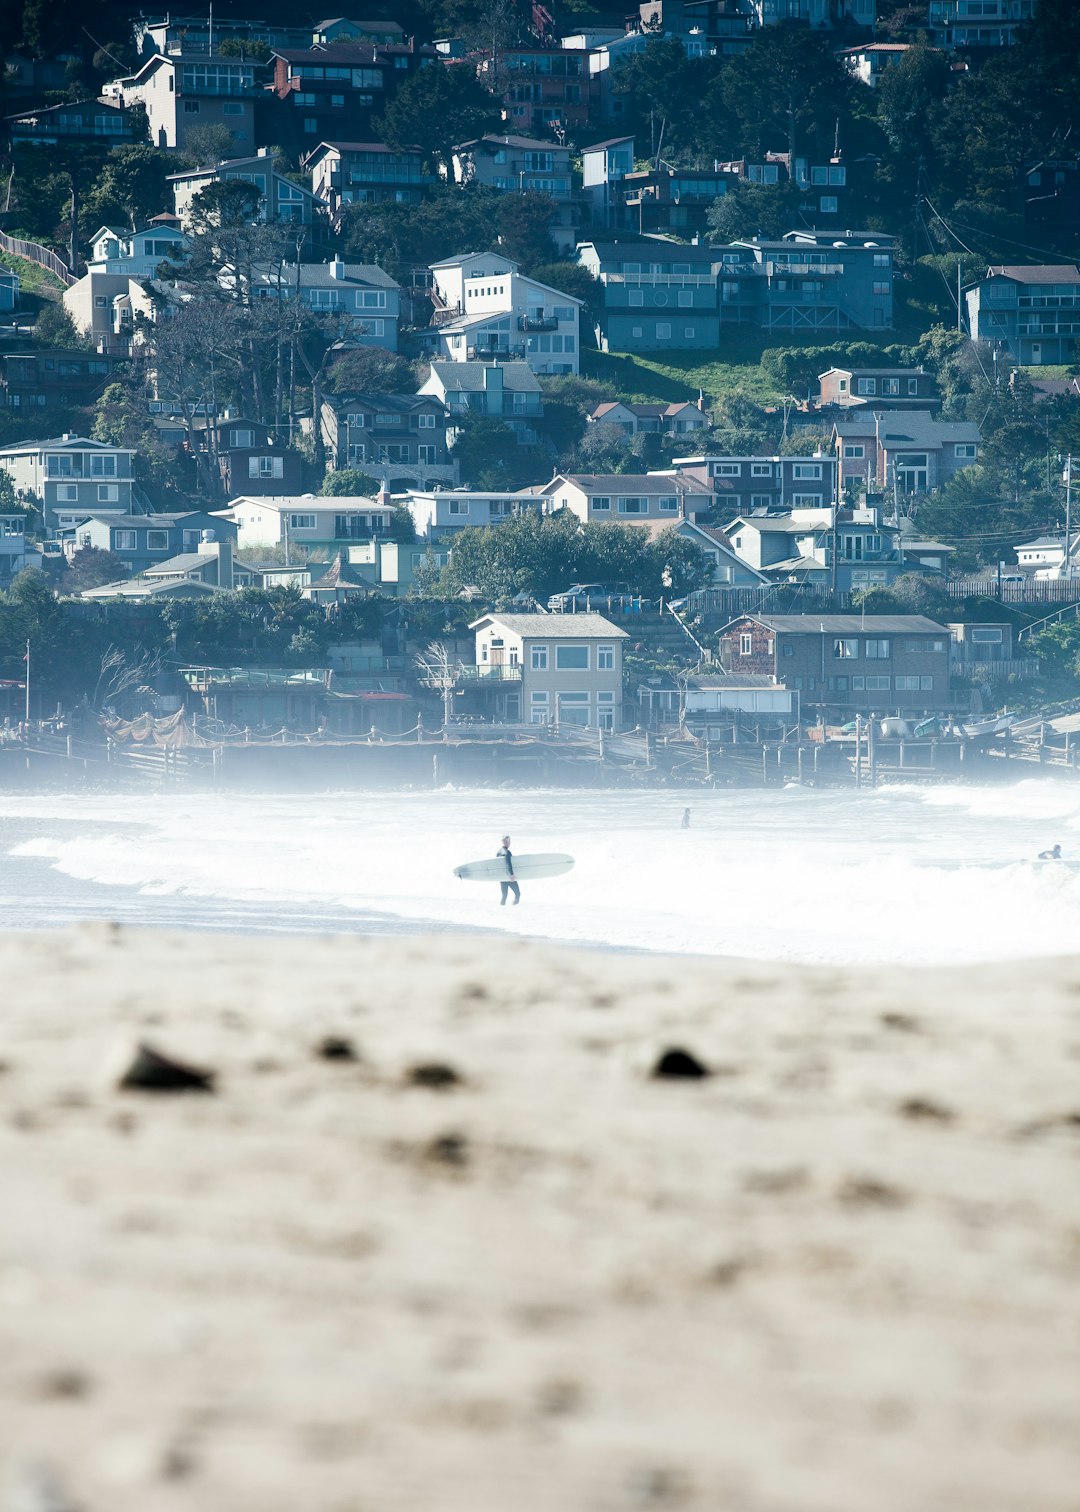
(485, 309)
(147, 540)
(347, 173)
(657, 296)
(906, 451)
(70, 477)
(843, 664)
(52, 375)
(506, 391)
(183, 90)
(547, 669)
(281, 202)
(312, 521)
(878, 388)
(628, 498)
(398, 438)
(679, 419)
(361, 291)
(1032, 314)
(82, 122)
(438, 516)
(523, 165)
(761, 484)
(841, 549)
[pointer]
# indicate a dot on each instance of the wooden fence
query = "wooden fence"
(34, 252)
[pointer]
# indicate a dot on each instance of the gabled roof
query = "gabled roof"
(496, 140)
(464, 257)
(845, 624)
(610, 142)
(1036, 274)
(65, 443)
(402, 403)
(468, 377)
(657, 483)
(319, 276)
(340, 52)
(555, 626)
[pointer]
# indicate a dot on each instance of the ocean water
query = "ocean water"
(905, 875)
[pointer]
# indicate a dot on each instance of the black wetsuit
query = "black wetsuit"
(509, 886)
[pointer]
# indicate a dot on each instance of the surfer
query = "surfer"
(506, 854)
(1051, 855)
(685, 819)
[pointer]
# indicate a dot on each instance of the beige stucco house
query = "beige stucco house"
(547, 669)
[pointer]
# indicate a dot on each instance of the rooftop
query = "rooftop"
(555, 626)
(847, 624)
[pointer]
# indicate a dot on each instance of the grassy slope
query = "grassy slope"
(32, 279)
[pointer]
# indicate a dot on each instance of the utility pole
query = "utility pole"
(959, 321)
(28, 686)
(1068, 521)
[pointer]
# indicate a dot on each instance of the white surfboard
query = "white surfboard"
(526, 868)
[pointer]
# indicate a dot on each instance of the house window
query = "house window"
(964, 449)
(636, 331)
(851, 450)
(125, 540)
(425, 422)
(845, 648)
(573, 708)
(986, 637)
(538, 661)
(232, 107)
(102, 467)
(882, 288)
(881, 259)
(761, 470)
(913, 385)
(828, 204)
(806, 470)
(357, 421)
(878, 650)
(907, 684)
(746, 644)
(191, 107)
(157, 540)
(67, 493)
(601, 504)
(301, 522)
(635, 297)
(100, 301)
(459, 506)
(728, 470)
(243, 438)
(108, 493)
(632, 506)
(878, 684)
(605, 658)
(663, 330)
(686, 298)
(669, 505)
(538, 708)
(760, 501)
(867, 386)
(266, 467)
(572, 658)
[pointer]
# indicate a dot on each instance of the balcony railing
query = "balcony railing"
(537, 323)
(501, 673)
(662, 280)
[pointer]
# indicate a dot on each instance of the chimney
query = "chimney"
(493, 389)
(211, 546)
(384, 496)
(701, 400)
(337, 268)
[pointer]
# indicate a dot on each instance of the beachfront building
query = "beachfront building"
(843, 664)
(547, 669)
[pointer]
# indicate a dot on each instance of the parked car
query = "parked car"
(598, 595)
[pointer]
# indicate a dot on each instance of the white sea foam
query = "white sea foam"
(902, 875)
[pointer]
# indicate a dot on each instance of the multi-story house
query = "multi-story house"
(839, 548)
(485, 308)
(808, 281)
(52, 375)
(439, 516)
(604, 167)
(729, 25)
(13, 553)
(869, 60)
(657, 296)
(398, 438)
(146, 540)
(978, 23)
(824, 183)
(83, 121)
(306, 520)
(523, 165)
(180, 91)
(70, 477)
(364, 293)
(280, 200)
(1032, 314)
(669, 200)
(847, 663)
(179, 33)
(763, 485)
(108, 308)
(652, 419)
(902, 451)
(365, 173)
(563, 669)
(628, 498)
(541, 88)
(505, 391)
(325, 94)
(136, 253)
(878, 388)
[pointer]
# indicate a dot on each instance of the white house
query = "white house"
(440, 514)
(307, 520)
(368, 296)
(136, 253)
(484, 307)
(549, 668)
(628, 498)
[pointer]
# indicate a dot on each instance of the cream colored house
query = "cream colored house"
(547, 669)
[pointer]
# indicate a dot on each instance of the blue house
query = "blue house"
(142, 541)
(657, 296)
(9, 289)
(1031, 313)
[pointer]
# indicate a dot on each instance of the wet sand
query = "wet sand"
(438, 1239)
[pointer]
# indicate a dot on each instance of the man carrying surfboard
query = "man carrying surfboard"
(510, 886)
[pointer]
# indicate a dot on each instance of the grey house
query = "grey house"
(142, 541)
(389, 436)
(809, 281)
(657, 296)
(763, 484)
(506, 391)
(1031, 313)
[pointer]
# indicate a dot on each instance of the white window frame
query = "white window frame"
(538, 661)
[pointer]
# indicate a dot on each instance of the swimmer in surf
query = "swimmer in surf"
(1051, 855)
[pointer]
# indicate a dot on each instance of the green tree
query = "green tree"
(658, 89)
(788, 88)
(207, 145)
(91, 568)
(132, 183)
(370, 370)
(524, 222)
(754, 209)
(349, 482)
(55, 328)
(489, 455)
(436, 108)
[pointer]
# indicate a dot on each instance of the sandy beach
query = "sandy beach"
(438, 1238)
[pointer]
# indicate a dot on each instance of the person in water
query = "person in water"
(510, 885)
(686, 819)
(1051, 855)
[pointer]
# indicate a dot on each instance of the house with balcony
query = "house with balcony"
(846, 664)
(505, 391)
(324, 94)
(808, 281)
(13, 552)
(194, 34)
(360, 291)
(143, 541)
(438, 516)
(107, 308)
(1031, 314)
(308, 520)
(978, 24)
(562, 669)
(842, 549)
(138, 254)
(485, 308)
(878, 388)
(69, 477)
(657, 296)
(678, 419)
(52, 376)
(89, 122)
(365, 173)
(909, 451)
(182, 90)
(398, 438)
(604, 167)
(523, 165)
(653, 499)
(763, 485)
(669, 201)
(541, 88)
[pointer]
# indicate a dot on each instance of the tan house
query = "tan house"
(547, 669)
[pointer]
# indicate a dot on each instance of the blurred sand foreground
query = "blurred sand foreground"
(839, 1274)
